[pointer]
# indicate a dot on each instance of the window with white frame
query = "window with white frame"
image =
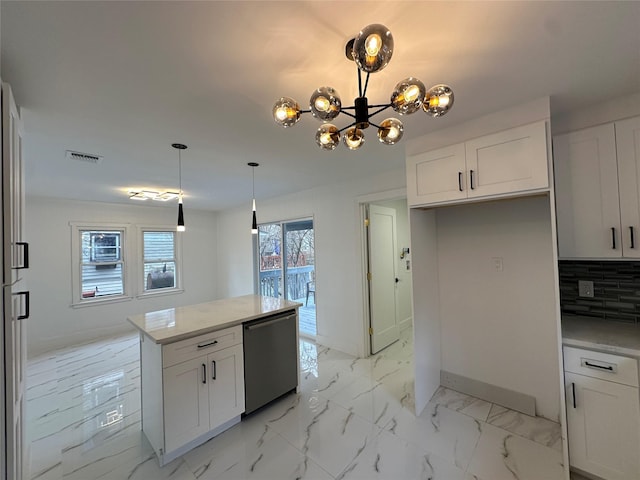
(100, 263)
(160, 260)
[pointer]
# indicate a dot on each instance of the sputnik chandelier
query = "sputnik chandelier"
(371, 50)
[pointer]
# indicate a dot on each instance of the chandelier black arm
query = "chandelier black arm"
(348, 126)
(347, 113)
(384, 107)
(366, 84)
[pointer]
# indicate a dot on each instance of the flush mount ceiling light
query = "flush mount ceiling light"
(371, 50)
(180, 147)
(152, 195)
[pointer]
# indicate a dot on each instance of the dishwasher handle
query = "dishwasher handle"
(266, 323)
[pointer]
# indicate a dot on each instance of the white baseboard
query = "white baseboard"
(520, 402)
(406, 323)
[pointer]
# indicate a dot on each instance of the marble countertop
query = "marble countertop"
(174, 324)
(596, 334)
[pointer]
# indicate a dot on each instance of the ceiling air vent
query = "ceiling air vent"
(84, 157)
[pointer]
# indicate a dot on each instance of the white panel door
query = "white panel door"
(604, 427)
(628, 153)
(226, 385)
(509, 161)
(436, 176)
(186, 402)
(382, 284)
(587, 200)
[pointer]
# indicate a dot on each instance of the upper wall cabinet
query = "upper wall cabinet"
(597, 198)
(502, 164)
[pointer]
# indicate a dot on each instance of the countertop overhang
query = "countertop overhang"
(174, 324)
(596, 334)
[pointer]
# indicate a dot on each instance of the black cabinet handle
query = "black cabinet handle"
(613, 238)
(204, 345)
(26, 296)
(204, 373)
(632, 237)
(460, 181)
(215, 369)
(593, 365)
(25, 256)
(471, 180)
(573, 387)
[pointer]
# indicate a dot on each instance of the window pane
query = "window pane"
(159, 275)
(101, 246)
(102, 280)
(158, 245)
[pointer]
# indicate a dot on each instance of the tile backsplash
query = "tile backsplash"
(616, 289)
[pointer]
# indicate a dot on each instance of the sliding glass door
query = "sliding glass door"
(286, 266)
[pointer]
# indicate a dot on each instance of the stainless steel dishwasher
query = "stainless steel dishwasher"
(270, 359)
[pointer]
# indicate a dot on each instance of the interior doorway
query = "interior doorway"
(286, 267)
(388, 271)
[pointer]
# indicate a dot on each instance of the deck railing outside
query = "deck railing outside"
(297, 278)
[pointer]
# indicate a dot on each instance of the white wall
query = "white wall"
(500, 327)
(426, 305)
(54, 323)
(403, 289)
(336, 215)
(600, 112)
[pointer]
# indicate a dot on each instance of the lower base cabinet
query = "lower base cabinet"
(603, 414)
(186, 403)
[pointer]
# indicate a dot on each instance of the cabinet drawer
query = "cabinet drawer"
(190, 348)
(614, 368)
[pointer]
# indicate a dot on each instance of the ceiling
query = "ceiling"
(124, 80)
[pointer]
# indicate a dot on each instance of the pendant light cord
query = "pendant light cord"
(180, 172)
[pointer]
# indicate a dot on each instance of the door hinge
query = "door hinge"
(369, 276)
(366, 222)
(370, 331)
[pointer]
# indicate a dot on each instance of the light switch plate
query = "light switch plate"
(585, 288)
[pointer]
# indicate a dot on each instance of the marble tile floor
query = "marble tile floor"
(352, 419)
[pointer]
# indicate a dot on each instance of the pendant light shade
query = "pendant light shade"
(180, 147)
(254, 221)
(180, 227)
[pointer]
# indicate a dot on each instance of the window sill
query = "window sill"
(160, 293)
(101, 301)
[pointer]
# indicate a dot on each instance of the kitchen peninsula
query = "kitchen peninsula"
(199, 363)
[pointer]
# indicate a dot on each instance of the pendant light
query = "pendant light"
(180, 147)
(254, 222)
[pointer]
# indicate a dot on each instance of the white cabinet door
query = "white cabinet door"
(604, 427)
(628, 153)
(436, 176)
(587, 199)
(504, 163)
(226, 385)
(510, 161)
(186, 402)
(15, 304)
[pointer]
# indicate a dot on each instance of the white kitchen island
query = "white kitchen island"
(192, 369)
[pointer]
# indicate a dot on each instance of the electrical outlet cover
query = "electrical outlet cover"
(585, 288)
